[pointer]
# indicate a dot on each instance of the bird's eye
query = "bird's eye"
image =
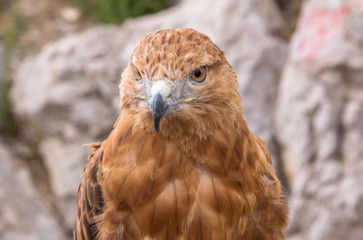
(199, 74)
(137, 75)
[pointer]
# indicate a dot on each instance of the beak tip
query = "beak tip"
(156, 127)
(159, 107)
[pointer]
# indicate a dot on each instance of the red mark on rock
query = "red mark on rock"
(317, 29)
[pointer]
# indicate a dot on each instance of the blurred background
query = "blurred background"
(300, 70)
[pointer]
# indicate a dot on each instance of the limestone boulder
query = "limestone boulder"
(24, 214)
(319, 121)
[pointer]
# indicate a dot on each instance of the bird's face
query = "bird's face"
(177, 75)
(165, 96)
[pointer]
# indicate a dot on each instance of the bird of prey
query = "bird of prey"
(180, 162)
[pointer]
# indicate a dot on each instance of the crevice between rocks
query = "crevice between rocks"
(290, 11)
(341, 131)
(280, 167)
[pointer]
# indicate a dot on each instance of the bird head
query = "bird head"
(179, 80)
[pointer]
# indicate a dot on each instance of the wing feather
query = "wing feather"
(90, 201)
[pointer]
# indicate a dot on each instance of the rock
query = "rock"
(319, 121)
(23, 213)
(67, 95)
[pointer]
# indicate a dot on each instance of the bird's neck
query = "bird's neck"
(196, 142)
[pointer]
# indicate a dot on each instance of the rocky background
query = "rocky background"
(300, 69)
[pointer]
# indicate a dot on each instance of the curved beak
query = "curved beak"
(159, 107)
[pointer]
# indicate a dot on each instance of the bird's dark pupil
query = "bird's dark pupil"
(197, 73)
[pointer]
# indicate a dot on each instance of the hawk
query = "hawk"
(180, 162)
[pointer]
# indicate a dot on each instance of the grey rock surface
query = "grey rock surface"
(66, 97)
(319, 122)
(68, 94)
(23, 213)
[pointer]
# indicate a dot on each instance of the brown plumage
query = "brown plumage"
(180, 162)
